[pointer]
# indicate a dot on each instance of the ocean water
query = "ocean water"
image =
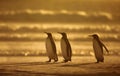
(28, 39)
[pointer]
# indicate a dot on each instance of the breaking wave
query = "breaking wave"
(58, 13)
(35, 32)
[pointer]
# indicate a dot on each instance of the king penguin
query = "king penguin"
(66, 47)
(51, 48)
(98, 48)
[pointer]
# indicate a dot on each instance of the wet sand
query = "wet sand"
(80, 66)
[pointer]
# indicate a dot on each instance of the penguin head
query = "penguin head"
(94, 36)
(62, 33)
(49, 34)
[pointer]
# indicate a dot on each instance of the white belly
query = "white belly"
(97, 50)
(49, 48)
(64, 49)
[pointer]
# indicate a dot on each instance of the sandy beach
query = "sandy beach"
(80, 66)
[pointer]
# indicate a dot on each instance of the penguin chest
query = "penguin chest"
(97, 49)
(49, 48)
(64, 48)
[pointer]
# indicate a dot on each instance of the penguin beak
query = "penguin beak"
(59, 32)
(45, 32)
(90, 35)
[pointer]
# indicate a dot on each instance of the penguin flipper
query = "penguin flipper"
(69, 50)
(105, 47)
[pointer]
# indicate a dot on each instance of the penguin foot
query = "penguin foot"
(49, 60)
(55, 60)
(65, 61)
(70, 60)
(102, 61)
(97, 62)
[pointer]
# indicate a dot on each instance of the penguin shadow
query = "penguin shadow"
(78, 65)
(29, 64)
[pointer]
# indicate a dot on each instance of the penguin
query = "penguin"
(51, 48)
(65, 47)
(98, 48)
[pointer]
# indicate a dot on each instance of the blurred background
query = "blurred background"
(23, 23)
